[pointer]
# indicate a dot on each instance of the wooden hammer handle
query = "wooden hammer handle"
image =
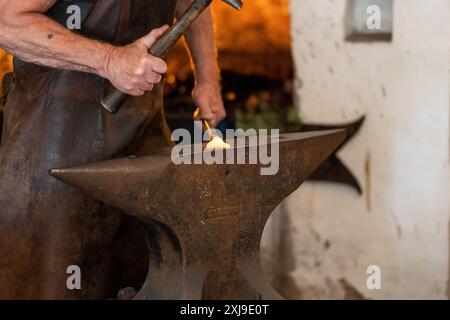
(114, 98)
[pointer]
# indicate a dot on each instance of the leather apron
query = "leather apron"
(52, 118)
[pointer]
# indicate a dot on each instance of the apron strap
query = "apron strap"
(103, 20)
(124, 20)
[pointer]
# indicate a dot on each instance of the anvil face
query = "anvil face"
(204, 222)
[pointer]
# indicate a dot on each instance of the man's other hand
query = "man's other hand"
(131, 69)
(208, 98)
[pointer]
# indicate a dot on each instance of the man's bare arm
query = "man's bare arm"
(31, 36)
(201, 41)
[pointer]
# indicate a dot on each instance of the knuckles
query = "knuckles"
(136, 70)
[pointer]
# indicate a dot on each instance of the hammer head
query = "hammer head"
(237, 4)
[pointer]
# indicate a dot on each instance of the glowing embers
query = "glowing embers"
(216, 142)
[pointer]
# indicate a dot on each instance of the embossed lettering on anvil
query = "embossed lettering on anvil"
(222, 212)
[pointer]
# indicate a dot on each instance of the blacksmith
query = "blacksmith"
(53, 118)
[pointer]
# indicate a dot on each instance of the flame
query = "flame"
(217, 143)
(5, 65)
(253, 41)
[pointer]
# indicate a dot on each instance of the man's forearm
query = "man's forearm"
(29, 34)
(201, 41)
(33, 37)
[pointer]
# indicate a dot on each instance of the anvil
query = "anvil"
(203, 222)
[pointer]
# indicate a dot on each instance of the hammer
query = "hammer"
(115, 98)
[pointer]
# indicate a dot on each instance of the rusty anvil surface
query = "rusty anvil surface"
(203, 222)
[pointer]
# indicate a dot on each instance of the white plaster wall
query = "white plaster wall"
(401, 156)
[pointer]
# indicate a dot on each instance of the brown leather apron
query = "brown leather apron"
(52, 118)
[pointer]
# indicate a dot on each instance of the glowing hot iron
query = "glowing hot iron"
(216, 142)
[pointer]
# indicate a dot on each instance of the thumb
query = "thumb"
(153, 36)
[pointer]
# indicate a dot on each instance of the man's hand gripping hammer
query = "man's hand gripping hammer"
(113, 99)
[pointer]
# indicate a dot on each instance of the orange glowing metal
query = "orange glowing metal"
(216, 142)
(208, 128)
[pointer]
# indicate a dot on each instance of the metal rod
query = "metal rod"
(208, 128)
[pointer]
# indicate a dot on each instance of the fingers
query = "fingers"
(147, 86)
(151, 69)
(214, 122)
(217, 117)
(210, 106)
(159, 66)
(136, 92)
(153, 36)
(154, 72)
(153, 78)
(140, 92)
(206, 113)
(133, 70)
(147, 78)
(212, 110)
